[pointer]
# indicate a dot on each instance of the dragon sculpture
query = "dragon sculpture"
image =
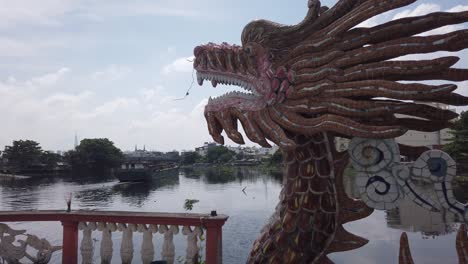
(323, 78)
(13, 250)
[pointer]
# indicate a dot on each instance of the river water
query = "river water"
(431, 235)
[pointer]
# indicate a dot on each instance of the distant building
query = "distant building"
(413, 138)
(203, 150)
(253, 153)
(428, 139)
(76, 143)
(144, 155)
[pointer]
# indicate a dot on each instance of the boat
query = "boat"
(143, 172)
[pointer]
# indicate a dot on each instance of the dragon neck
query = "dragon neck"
(307, 223)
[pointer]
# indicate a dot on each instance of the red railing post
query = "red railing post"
(214, 243)
(70, 242)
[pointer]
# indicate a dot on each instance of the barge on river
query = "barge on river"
(141, 172)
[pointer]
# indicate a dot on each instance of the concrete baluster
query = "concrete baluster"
(147, 247)
(106, 241)
(168, 249)
(192, 252)
(86, 248)
(126, 247)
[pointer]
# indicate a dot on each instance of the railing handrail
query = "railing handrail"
(128, 217)
(70, 220)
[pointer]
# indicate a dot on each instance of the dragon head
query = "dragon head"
(325, 74)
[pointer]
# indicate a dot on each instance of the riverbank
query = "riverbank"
(14, 176)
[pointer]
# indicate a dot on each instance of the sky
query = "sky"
(114, 69)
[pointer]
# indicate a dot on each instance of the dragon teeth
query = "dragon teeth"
(199, 80)
(227, 80)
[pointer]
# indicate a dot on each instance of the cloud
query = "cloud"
(32, 12)
(17, 47)
(51, 78)
(54, 12)
(112, 73)
(158, 9)
(64, 99)
(179, 65)
(425, 9)
(422, 9)
(51, 116)
(458, 8)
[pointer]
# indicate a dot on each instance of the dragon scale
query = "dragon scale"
(308, 218)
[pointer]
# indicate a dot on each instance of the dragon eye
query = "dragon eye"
(248, 50)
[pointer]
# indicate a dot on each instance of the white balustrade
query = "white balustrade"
(87, 248)
(147, 246)
(126, 247)
(15, 250)
(168, 248)
(106, 241)
(192, 251)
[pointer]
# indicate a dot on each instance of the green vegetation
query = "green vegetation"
(98, 153)
(215, 155)
(219, 154)
(50, 159)
(188, 205)
(25, 154)
(191, 157)
(458, 146)
(276, 158)
(22, 154)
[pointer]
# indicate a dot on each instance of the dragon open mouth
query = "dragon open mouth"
(232, 65)
(222, 79)
(249, 92)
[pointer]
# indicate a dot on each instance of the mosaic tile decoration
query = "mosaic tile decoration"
(383, 181)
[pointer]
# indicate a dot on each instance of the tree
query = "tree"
(240, 155)
(191, 157)
(219, 154)
(22, 154)
(277, 157)
(50, 159)
(458, 146)
(98, 153)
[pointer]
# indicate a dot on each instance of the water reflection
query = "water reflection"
(413, 218)
(410, 217)
(217, 189)
(136, 194)
(222, 189)
(223, 175)
(27, 184)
